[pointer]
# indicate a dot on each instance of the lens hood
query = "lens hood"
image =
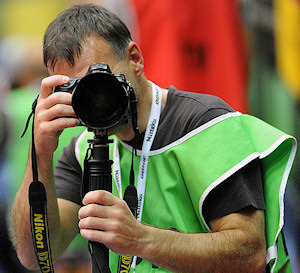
(100, 100)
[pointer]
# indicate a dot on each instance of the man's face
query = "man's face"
(96, 50)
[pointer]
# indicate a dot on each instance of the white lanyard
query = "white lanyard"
(147, 143)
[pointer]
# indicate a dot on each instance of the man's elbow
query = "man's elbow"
(27, 260)
(254, 257)
(25, 252)
(259, 261)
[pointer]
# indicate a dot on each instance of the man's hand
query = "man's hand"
(236, 244)
(107, 219)
(54, 113)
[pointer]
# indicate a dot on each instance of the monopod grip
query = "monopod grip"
(97, 176)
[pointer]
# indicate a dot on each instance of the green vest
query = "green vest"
(182, 174)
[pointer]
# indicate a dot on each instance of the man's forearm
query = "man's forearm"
(237, 245)
(21, 231)
(207, 252)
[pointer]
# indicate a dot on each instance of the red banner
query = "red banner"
(195, 45)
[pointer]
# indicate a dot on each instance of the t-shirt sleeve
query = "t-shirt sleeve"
(68, 175)
(242, 189)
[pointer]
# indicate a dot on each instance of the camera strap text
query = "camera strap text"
(147, 143)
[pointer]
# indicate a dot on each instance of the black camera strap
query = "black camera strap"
(38, 210)
(131, 198)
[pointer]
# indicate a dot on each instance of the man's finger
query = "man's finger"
(50, 82)
(58, 111)
(57, 98)
(94, 210)
(95, 223)
(100, 197)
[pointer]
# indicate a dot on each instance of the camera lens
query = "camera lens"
(99, 100)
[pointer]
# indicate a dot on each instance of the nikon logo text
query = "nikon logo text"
(125, 264)
(151, 131)
(157, 97)
(38, 229)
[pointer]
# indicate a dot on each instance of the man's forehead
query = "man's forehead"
(94, 50)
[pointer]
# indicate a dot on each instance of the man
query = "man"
(193, 219)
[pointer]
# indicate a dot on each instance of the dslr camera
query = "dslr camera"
(101, 99)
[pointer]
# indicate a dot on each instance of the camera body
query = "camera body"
(101, 99)
(68, 87)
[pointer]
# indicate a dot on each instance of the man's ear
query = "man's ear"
(135, 58)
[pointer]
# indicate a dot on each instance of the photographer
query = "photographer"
(203, 206)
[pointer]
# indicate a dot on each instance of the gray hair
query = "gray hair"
(64, 37)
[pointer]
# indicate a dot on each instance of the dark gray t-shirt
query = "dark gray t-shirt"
(184, 112)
